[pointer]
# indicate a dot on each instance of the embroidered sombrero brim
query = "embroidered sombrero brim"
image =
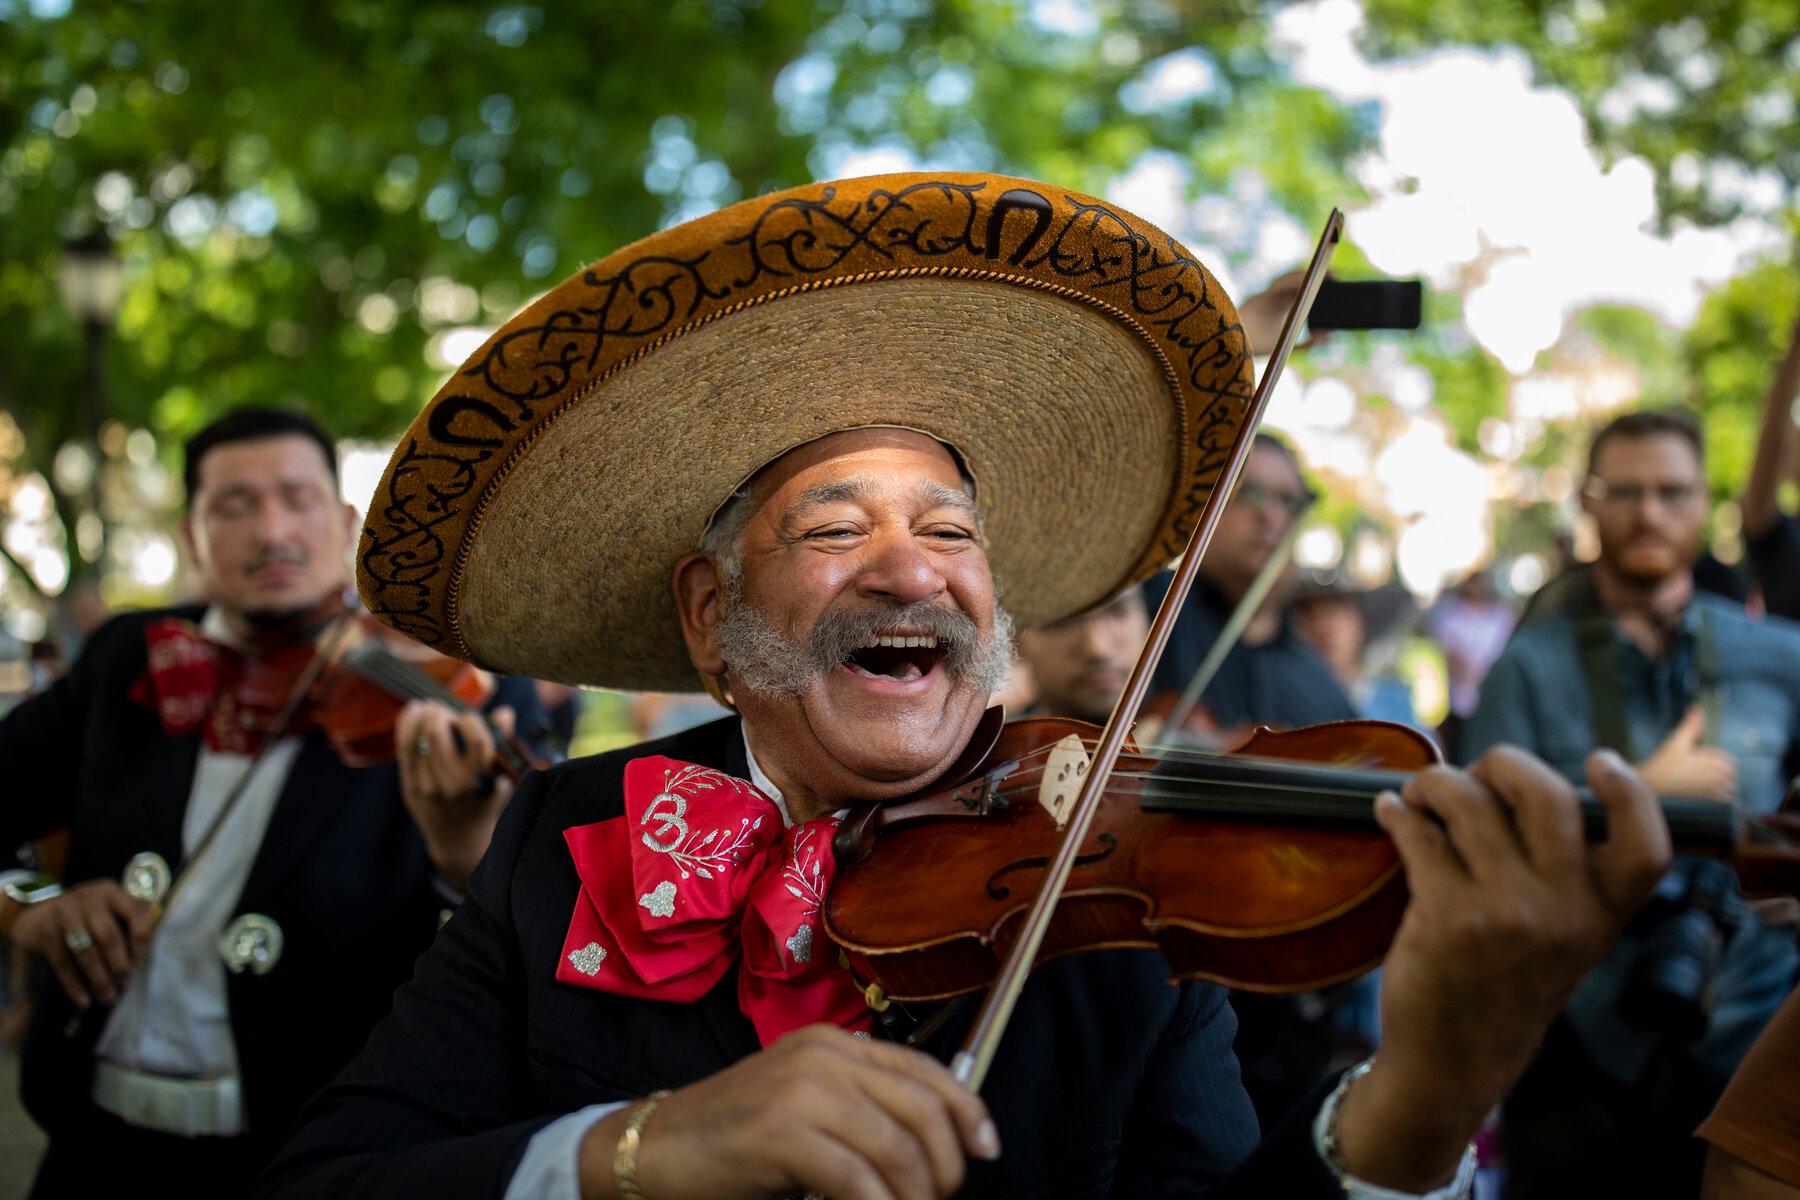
(1091, 374)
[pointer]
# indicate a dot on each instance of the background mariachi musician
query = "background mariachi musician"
(242, 896)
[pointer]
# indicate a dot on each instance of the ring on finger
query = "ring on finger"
(422, 746)
(78, 941)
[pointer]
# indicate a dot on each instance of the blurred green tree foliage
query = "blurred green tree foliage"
(1707, 94)
(305, 195)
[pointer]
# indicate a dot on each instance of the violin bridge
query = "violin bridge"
(1064, 770)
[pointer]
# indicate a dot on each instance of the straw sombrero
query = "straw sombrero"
(1090, 373)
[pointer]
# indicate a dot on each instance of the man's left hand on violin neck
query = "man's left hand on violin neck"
(1511, 907)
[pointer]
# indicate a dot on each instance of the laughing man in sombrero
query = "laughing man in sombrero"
(797, 451)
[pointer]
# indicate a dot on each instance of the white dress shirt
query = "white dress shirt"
(172, 1017)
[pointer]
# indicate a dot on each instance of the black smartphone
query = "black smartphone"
(1367, 304)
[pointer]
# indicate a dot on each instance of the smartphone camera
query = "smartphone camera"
(1368, 304)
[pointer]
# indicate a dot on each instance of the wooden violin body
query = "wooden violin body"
(355, 699)
(930, 909)
(1262, 869)
(358, 713)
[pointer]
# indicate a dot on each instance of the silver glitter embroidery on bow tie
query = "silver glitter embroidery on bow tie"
(660, 900)
(800, 945)
(587, 960)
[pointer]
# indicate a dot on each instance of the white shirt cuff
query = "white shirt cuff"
(551, 1168)
(1355, 1189)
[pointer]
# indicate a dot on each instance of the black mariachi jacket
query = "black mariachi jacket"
(341, 868)
(1109, 1082)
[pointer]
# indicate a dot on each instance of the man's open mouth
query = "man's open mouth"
(900, 657)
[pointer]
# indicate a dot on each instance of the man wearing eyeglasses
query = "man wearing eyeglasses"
(1707, 701)
(1271, 677)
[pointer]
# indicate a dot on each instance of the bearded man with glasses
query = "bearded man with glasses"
(1707, 702)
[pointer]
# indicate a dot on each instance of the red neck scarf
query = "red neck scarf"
(697, 873)
(194, 683)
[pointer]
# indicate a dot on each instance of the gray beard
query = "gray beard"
(768, 660)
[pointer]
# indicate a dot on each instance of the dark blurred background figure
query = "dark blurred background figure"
(1350, 627)
(1713, 574)
(1771, 536)
(47, 664)
(1270, 677)
(1081, 664)
(1471, 624)
(561, 706)
(1630, 654)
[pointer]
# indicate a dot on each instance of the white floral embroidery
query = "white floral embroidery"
(660, 900)
(801, 873)
(800, 945)
(702, 854)
(587, 960)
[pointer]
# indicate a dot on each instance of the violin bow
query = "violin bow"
(970, 1065)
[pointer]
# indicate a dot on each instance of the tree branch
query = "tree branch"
(30, 582)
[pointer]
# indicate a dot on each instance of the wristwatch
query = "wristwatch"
(30, 889)
(27, 889)
(23, 888)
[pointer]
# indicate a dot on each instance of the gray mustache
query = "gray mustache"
(840, 634)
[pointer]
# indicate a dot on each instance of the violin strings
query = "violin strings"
(386, 670)
(1691, 822)
(380, 666)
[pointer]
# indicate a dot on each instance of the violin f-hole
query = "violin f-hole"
(999, 891)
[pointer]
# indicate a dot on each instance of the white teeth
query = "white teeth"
(928, 642)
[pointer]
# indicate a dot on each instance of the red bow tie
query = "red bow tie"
(194, 683)
(697, 872)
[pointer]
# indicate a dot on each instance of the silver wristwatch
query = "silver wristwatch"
(29, 889)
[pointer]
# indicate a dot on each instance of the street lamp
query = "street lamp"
(91, 280)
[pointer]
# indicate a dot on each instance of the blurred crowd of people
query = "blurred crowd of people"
(1687, 667)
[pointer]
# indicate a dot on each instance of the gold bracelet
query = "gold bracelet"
(626, 1156)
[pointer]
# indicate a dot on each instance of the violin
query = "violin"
(354, 697)
(1262, 869)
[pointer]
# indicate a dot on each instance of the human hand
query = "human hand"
(1264, 313)
(821, 1110)
(446, 760)
(1510, 909)
(115, 926)
(1681, 766)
